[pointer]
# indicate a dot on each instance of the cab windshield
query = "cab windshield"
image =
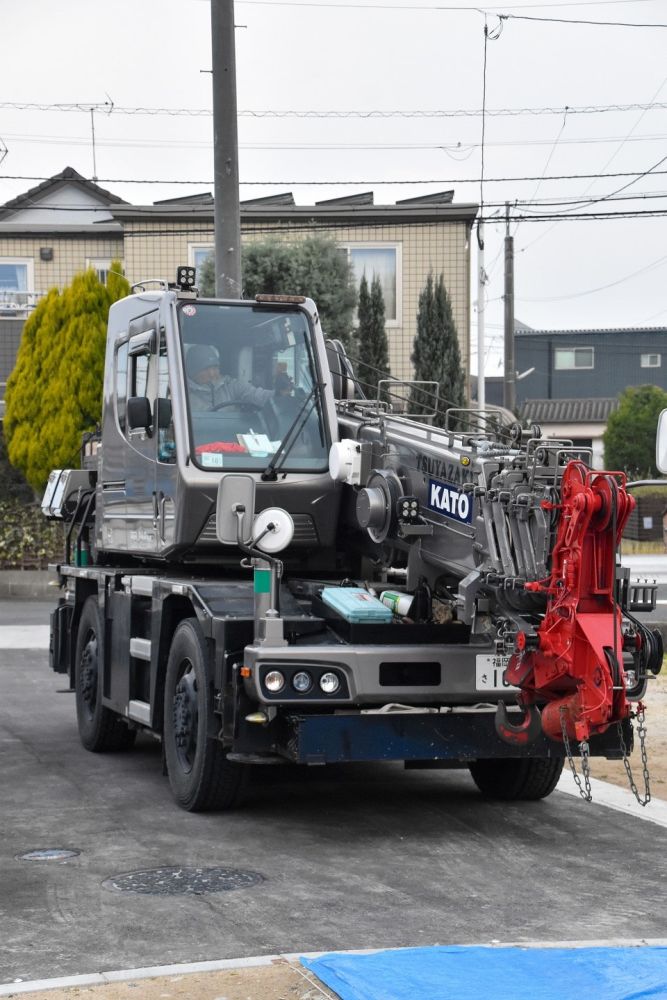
(252, 388)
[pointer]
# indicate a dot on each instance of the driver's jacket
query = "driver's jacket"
(227, 390)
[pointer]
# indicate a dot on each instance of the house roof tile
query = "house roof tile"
(568, 411)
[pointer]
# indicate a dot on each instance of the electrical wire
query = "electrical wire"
(396, 182)
(601, 288)
(351, 113)
(296, 145)
(537, 207)
(607, 163)
(563, 20)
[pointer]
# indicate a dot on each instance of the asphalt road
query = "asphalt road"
(357, 857)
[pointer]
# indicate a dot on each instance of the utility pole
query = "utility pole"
(481, 280)
(509, 381)
(227, 219)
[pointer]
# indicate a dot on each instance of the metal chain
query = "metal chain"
(641, 732)
(584, 751)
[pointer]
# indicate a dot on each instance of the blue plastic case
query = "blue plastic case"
(356, 605)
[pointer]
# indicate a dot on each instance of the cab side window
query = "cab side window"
(163, 415)
(121, 385)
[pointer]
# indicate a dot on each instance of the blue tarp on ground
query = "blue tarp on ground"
(460, 973)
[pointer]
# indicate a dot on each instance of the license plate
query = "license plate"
(489, 673)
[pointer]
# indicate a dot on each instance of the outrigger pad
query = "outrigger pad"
(459, 973)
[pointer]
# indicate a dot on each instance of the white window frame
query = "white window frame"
(645, 360)
(27, 297)
(102, 264)
(192, 249)
(575, 367)
(398, 248)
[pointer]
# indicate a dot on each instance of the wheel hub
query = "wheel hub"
(182, 716)
(89, 673)
(185, 719)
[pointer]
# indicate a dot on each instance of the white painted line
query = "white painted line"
(24, 636)
(190, 968)
(614, 797)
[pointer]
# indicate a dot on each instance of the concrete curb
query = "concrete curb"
(188, 968)
(28, 585)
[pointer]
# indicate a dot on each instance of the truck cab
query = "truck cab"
(196, 388)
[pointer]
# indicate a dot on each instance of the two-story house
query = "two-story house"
(69, 223)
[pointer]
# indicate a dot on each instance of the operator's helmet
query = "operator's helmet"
(199, 357)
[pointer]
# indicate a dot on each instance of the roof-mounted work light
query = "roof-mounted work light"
(185, 278)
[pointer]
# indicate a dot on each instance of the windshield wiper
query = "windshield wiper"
(283, 450)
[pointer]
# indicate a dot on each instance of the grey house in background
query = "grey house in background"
(588, 364)
(571, 379)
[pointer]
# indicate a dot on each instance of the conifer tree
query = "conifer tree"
(436, 355)
(372, 349)
(54, 393)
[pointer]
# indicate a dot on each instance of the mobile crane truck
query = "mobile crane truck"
(262, 565)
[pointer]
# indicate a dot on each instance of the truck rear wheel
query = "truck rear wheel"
(200, 776)
(100, 729)
(513, 779)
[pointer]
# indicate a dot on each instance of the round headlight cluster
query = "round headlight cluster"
(274, 681)
(302, 682)
(329, 683)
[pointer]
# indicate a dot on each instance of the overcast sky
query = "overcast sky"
(381, 57)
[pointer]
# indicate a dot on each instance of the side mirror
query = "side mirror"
(661, 443)
(139, 415)
(163, 412)
(235, 491)
(142, 343)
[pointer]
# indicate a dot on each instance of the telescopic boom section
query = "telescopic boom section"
(576, 664)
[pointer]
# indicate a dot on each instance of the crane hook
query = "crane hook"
(525, 732)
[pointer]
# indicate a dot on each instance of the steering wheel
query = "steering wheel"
(239, 405)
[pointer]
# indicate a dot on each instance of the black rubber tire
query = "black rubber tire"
(514, 779)
(200, 776)
(100, 729)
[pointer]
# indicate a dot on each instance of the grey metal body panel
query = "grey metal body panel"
(361, 666)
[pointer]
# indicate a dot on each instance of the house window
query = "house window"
(383, 260)
(197, 254)
(101, 266)
(650, 360)
(569, 358)
(16, 284)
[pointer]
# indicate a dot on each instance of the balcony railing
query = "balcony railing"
(17, 304)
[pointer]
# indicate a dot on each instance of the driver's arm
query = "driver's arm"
(243, 392)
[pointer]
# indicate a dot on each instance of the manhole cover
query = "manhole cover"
(183, 881)
(49, 854)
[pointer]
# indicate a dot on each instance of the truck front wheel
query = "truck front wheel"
(100, 729)
(200, 776)
(513, 779)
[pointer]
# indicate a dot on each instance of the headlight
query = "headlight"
(274, 681)
(302, 682)
(329, 683)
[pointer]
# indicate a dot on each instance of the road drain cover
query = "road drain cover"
(183, 881)
(49, 854)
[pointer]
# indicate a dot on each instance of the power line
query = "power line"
(296, 145)
(449, 9)
(346, 113)
(345, 183)
(600, 288)
(564, 20)
(525, 206)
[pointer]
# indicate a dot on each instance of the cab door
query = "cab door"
(141, 503)
(166, 471)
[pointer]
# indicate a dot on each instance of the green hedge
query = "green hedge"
(27, 539)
